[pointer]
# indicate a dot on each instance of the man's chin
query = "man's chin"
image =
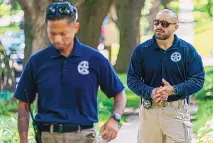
(160, 37)
(59, 48)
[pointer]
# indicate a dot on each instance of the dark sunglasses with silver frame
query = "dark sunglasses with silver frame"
(163, 23)
(61, 9)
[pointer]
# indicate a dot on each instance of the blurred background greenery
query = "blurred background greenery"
(203, 29)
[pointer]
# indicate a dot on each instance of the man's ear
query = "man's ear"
(176, 26)
(76, 27)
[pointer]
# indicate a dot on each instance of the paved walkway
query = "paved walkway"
(128, 132)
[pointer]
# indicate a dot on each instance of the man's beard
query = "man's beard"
(162, 37)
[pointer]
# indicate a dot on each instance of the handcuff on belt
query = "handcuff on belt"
(147, 104)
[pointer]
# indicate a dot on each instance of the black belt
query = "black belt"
(62, 128)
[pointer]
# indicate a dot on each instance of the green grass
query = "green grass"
(204, 114)
(132, 99)
(8, 109)
(207, 91)
(123, 78)
(204, 100)
(9, 28)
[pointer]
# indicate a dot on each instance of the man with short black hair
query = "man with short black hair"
(164, 71)
(66, 75)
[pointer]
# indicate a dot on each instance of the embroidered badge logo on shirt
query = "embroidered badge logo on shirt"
(83, 67)
(176, 57)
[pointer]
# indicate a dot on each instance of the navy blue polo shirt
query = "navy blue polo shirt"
(180, 65)
(67, 87)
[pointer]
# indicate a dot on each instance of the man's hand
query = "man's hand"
(109, 130)
(159, 94)
(167, 87)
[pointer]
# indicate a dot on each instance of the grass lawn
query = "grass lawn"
(9, 28)
(204, 114)
(204, 99)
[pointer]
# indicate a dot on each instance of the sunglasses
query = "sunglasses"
(62, 9)
(164, 24)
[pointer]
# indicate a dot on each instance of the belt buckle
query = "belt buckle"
(60, 128)
(147, 104)
(165, 104)
(51, 128)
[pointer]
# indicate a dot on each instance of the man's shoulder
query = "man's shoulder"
(186, 44)
(144, 46)
(91, 52)
(43, 53)
(89, 49)
(188, 48)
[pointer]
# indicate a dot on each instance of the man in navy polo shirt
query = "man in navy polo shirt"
(165, 71)
(66, 76)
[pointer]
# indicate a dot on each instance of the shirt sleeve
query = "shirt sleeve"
(109, 82)
(26, 85)
(195, 76)
(134, 76)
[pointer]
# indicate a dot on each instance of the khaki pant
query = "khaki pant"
(168, 124)
(83, 136)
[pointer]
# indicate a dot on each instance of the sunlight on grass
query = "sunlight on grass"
(9, 28)
(203, 38)
(204, 113)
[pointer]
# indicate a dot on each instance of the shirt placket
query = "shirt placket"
(164, 63)
(65, 70)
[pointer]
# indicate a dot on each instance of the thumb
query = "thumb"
(165, 82)
(102, 129)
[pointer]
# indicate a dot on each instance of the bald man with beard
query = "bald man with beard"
(164, 71)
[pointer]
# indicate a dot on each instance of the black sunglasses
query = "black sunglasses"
(163, 23)
(64, 9)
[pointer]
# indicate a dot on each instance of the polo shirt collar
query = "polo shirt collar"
(77, 50)
(174, 46)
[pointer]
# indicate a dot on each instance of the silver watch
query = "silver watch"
(116, 116)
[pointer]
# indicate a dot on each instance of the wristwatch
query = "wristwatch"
(116, 116)
(175, 91)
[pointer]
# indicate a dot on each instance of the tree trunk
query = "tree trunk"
(165, 3)
(129, 14)
(35, 27)
(152, 14)
(91, 14)
(28, 37)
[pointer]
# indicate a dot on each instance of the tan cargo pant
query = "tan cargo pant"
(83, 136)
(165, 124)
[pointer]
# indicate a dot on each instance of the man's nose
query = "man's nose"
(57, 39)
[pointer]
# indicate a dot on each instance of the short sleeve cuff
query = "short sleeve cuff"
(115, 91)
